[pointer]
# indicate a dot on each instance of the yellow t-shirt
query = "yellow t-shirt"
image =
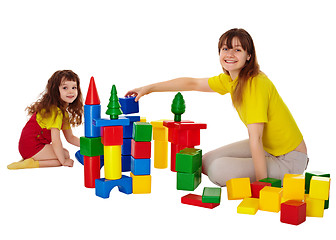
(263, 104)
(54, 120)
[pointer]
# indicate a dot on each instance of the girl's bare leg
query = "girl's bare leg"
(47, 157)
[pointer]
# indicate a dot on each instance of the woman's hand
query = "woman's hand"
(138, 92)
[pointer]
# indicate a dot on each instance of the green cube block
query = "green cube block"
(91, 146)
(189, 181)
(142, 132)
(275, 182)
(308, 177)
(211, 195)
(188, 160)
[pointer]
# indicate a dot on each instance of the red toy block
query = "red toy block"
(174, 148)
(196, 200)
(140, 149)
(185, 133)
(112, 135)
(91, 170)
(293, 212)
(92, 97)
(257, 186)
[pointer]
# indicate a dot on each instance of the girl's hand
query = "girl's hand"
(138, 92)
(68, 163)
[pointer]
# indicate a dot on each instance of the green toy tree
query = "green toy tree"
(113, 108)
(178, 107)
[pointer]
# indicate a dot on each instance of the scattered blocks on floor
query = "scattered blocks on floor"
(211, 195)
(248, 206)
(293, 187)
(257, 186)
(270, 199)
(319, 188)
(196, 200)
(104, 186)
(315, 207)
(238, 188)
(293, 212)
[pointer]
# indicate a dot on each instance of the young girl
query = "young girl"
(61, 105)
(275, 145)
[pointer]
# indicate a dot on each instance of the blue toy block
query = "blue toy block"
(126, 163)
(140, 166)
(121, 121)
(91, 112)
(129, 105)
(128, 130)
(126, 148)
(104, 186)
(80, 158)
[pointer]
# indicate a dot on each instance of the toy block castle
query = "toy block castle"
(122, 142)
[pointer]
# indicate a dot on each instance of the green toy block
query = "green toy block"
(91, 147)
(308, 176)
(142, 132)
(188, 160)
(189, 181)
(275, 182)
(211, 195)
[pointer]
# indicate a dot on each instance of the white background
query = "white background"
(134, 43)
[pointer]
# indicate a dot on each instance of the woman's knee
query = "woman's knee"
(217, 172)
(66, 153)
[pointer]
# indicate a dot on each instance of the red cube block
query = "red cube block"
(91, 170)
(112, 135)
(257, 186)
(140, 149)
(293, 212)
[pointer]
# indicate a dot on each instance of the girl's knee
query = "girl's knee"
(217, 174)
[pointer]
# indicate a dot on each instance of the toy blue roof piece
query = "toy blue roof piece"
(129, 105)
(121, 121)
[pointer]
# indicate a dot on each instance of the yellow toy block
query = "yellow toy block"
(238, 188)
(141, 183)
(270, 199)
(314, 207)
(160, 154)
(293, 186)
(160, 132)
(112, 162)
(248, 206)
(319, 188)
(143, 119)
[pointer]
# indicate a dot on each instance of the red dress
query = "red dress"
(33, 138)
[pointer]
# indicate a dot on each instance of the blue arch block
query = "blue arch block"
(105, 186)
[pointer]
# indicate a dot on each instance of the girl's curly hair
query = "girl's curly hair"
(50, 97)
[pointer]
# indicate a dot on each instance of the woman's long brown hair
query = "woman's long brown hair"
(251, 68)
(51, 97)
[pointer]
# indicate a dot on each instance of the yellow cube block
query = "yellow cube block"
(314, 207)
(238, 188)
(160, 154)
(141, 183)
(248, 206)
(319, 188)
(270, 199)
(293, 186)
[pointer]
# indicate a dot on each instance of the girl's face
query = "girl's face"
(234, 59)
(68, 91)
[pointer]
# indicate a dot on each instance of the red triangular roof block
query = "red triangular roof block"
(92, 97)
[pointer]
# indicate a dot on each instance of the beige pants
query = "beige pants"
(235, 161)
